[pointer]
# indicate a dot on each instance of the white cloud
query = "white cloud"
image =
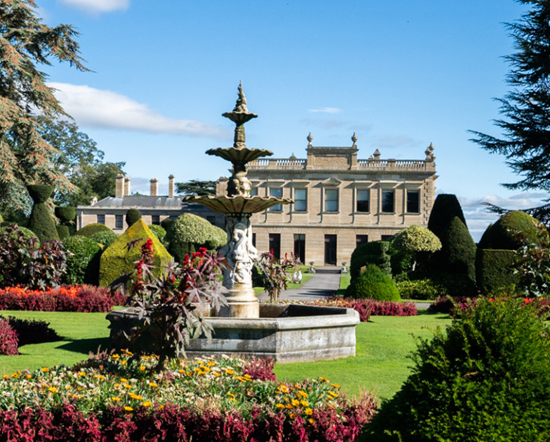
(98, 6)
(393, 141)
(326, 110)
(105, 109)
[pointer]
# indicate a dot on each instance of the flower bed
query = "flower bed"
(447, 305)
(77, 298)
(365, 307)
(120, 398)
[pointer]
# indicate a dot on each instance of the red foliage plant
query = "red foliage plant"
(261, 369)
(80, 298)
(8, 339)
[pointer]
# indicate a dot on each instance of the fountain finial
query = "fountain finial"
(241, 101)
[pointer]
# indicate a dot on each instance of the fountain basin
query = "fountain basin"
(286, 333)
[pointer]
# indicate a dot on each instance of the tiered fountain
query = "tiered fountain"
(238, 206)
(286, 333)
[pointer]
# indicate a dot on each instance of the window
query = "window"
(413, 199)
(331, 200)
(101, 219)
(119, 222)
(363, 197)
(254, 191)
(300, 246)
(300, 200)
(155, 220)
(254, 239)
(211, 219)
(361, 239)
(276, 192)
(388, 201)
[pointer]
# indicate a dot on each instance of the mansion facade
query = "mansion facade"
(340, 202)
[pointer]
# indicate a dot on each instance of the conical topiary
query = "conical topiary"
(445, 208)
(40, 221)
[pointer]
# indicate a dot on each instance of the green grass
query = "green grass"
(381, 363)
(81, 332)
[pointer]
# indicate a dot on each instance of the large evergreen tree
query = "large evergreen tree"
(525, 140)
(26, 43)
(196, 187)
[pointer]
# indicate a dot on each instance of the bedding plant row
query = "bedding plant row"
(122, 397)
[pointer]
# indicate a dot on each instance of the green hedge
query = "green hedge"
(504, 233)
(373, 283)
(63, 232)
(105, 238)
(91, 229)
(82, 267)
(159, 231)
(494, 269)
(66, 214)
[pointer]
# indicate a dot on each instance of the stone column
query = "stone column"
(171, 185)
(240, 255)
(126, 186)
(119, 187)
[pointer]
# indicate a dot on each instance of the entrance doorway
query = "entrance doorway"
(330, 250)
(300, 247)
(275, 244)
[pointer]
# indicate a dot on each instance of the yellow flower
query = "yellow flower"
(311, 421)
(123, 380)
(283, 388)
(334, 395)
(248, 377)
(15, 375)
(228, 371)
(128, 408)
(124, 363)
(289, 406)
(6, 376)
(52, 389)
(216, 374)
(297, 386)
(161, 407)
(309, 411)
(279, 406)
(335, 385)
(304, 403)
(29, 376)
(77, 396)
(181, 371)
(323, 379)
(127, 386)
(68, 387)
(295, 402)
(230, 395)
(45, 369)
(147, 404)
(81, 374)
(142, 367)
(292, 416)
(115, 356)
(115, 399)
(211, 364)
(302, 393)
(153, 384)
(117, 386)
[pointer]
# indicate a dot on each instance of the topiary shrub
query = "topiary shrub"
(65, 214)
(484, 378)
(166, 223)
(420, 289)
(91, 229)
(445, 208)
(510, 230)
(159, 232)
(80, 268)
(484, 241)
(191, 232)
(8, 339)
(373, 283)
(375, 252)
(495, 269)
(63, 232)
(40, 221)
(416, 240)
(105, 239)
(132, 215)
(117, 259)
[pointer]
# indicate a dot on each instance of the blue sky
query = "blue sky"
(401, 74)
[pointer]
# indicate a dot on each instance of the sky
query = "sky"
(401, 74)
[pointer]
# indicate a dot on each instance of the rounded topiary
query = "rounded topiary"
(159, 231)
(165, 223)
(63, 232)
(40, 221)
(375, 252)
(80, 266)
(445, 208)
(417, 240)
(484, 378)
(27, 234)
(373, 283)
(193, 231)
(509, 231)
(90, 229)
(105, 238)
(132, 215)
(66, 214)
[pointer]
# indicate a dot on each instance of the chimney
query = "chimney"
(154, 187)
(377, 154)
(171, 185)
(119, 189)
(126, 186)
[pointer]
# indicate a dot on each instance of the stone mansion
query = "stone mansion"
(340, 201)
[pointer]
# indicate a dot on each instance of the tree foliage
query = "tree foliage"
(416, 239)
(26, 43)
(196, 187)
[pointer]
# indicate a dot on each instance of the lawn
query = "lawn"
(381, 363)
